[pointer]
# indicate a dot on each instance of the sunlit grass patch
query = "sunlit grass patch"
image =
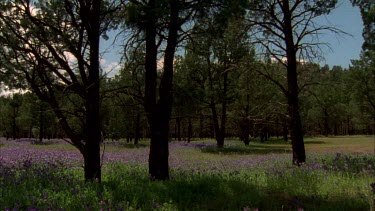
(341, 144)
(251, 149)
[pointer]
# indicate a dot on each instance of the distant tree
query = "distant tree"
(362, 74)
(15, 105)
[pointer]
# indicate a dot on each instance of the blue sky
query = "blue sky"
(343, 48)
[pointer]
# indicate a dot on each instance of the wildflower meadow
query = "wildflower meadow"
(339, 175)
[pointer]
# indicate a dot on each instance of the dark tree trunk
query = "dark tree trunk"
(217, 130)
(14, 125)
(296, 133)
(41, 123)
(158, 157)
(335, 131)
(137, 129)
(190, 130)
(326, 123)
(245, 130)
(246, 124)
(348, 125)
(224, 110)
(285, 132)
(201, 121)
(93, 130)
(158, 113)
(159, 152)
(178, 123)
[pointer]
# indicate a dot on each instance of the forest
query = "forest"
(235, 71)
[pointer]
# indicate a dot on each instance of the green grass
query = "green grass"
(128, 187)
(338, 176)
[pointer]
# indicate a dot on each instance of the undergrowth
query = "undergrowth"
(341, 182)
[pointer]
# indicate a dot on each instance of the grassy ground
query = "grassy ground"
(339, 175)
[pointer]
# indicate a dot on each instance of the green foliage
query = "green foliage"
(367, 8)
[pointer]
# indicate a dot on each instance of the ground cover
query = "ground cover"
(339, 175)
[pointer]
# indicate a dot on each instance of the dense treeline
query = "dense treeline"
(331, 105)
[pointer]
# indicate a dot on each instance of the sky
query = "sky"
(342, 50)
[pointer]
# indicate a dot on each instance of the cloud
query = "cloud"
(70, 57)
(110, 68)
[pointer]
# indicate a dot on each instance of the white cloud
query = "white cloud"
(70, 57)
(110, 68)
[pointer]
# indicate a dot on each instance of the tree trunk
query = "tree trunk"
(285, 132)
(178, 123)
(158, 114)
(93, 130)
(217, 130)
(245, 126)
(296, 133)
(137, 131)
(159, 152)
(245, 130)
(14, 125)
(326, 123)
(41, 123)
(223, 110)
(201, 120)
(190, 130)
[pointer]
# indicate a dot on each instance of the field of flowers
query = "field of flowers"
(339, 175)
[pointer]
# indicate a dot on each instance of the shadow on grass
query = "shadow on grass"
(196, 193)
(128, 187)
(217, 192)
(243, 150)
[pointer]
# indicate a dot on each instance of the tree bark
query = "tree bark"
(14, 125)
(190, 130)
(326, 123)
(296, 133)
(137, 128)
(178, 122)
(158, 113)
(285, 131)
(201, 120)
(93, 130)
(41, 122)
(217, 129)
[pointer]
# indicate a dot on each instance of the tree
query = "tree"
(15, 105)
(362, 75)
(214, 53)
(160, 24)
(286, 31)
(363, 71)
(54, 46)
(367, 8)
